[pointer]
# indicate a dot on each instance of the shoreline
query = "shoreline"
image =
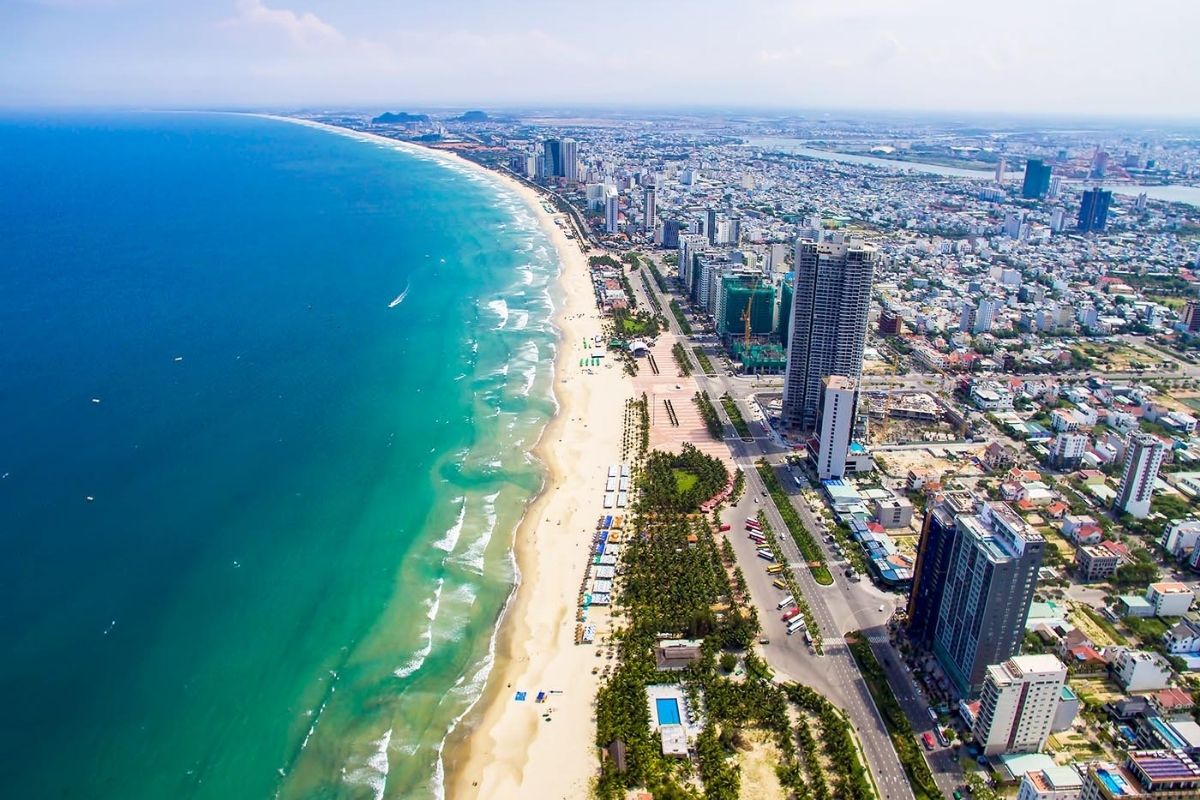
(496, 746)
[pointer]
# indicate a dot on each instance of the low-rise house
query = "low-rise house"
(1181, 535)
(1085, 660)
(1173, 701)
(1169, 599)
(1140, 670)
(1183, 638)
(1051, 783)
(1095, 563)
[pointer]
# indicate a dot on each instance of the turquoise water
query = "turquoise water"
(268, 397)
(668, 710)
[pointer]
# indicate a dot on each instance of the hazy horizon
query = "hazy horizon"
(1065, 61)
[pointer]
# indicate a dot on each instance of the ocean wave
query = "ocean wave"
(418, 658)
(528, 352)
(374, 771)
(450, 538)
(438, 782)
(472, 557)
(521, 321)
(500, 309)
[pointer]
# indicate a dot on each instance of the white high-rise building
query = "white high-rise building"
(1000, 165)
(649, 210)
(838, 406)
(1012, 224)
(1055, 186)
(1058, 219)
(985, 314)
(1017, 704)
(610, 212)
(1143, 457)
(570, 160)
(1068, 450)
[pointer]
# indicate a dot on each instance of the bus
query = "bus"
(751, 522)
(941, 736)
(775, 569)
(790, 614)
(757, 538)
(787, 601)
(766, 555)
(779, 584)
(795, 625)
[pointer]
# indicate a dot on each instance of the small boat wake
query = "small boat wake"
(400, 297)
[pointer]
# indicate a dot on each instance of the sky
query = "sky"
(1101, 57)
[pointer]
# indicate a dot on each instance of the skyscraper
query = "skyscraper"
(1143, 457)
(1017, 704)
(552, 152)
(1093, 211)
(839, 402)
(649, 210)
(611, 213)
(710, 225)
(570, 161)
(1037, 179)
(933, 564)
(991, 572)
(671, 229)
(829, 322)
(1191, 316)
(1000, 166)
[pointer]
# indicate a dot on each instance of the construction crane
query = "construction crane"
(746, 320)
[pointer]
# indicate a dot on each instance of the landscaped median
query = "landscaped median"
(804, 540)
(899, 729)
(735, 416)
(706, 365)
(685, 327)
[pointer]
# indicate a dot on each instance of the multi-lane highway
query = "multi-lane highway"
(837, 609)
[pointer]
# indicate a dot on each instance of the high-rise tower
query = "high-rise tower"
(1143, 457)
(829, 323)
(1093, 211)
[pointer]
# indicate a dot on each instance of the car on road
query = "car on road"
(881, 607)
(927, 738)
(764, 492)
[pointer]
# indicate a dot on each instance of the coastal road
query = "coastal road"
(837, 609)
(835, 673)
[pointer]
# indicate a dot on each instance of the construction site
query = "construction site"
(910, 418)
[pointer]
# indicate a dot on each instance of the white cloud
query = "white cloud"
(303, 29)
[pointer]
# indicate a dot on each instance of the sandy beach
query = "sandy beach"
(504, 748)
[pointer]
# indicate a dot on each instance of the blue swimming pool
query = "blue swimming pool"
(1114, 783)
(667, 709)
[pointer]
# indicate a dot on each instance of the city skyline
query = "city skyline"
(928, 57)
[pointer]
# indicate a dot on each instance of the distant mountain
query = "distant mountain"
(473, 116)
(399, 118)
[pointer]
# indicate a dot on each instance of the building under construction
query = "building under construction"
(759, 359)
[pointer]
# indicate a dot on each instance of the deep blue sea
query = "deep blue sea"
(267, 397)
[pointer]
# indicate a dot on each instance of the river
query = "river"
(1171, 194)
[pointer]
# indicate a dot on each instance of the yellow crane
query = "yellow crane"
(746, 320)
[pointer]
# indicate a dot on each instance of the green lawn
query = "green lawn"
(684, 480)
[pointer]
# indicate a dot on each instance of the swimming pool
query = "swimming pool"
(667, 709)
(1114, 783)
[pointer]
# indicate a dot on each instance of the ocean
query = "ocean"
(268, 398)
